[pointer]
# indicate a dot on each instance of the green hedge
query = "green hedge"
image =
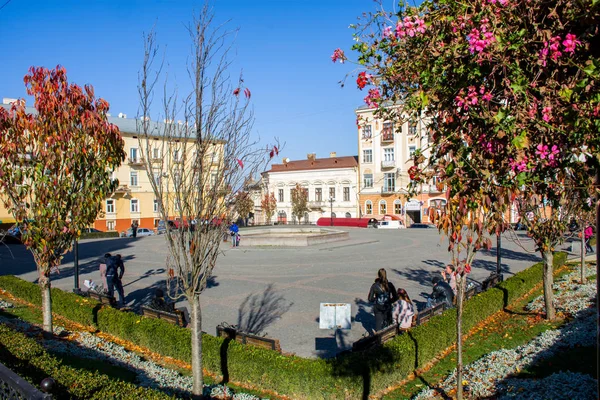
(30, 360)
(297, 377)
(98, 235)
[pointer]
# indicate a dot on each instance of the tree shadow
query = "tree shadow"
(512, 254)
(364, 315)
(145, 275)
(419, 275)
(491, 266)
(331, 346)
(416, 367)
(258, 311)
(144, 295)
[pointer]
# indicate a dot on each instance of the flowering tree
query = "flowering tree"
(299, 201)
(55, 167)
(269, 205)
(508, 90)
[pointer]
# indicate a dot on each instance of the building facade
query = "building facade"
(331, 184)
(385, 150)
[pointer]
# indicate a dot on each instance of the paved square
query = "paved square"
(278, 290)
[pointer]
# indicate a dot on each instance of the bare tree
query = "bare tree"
(196, 158)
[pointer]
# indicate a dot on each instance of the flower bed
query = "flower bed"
(487, 376)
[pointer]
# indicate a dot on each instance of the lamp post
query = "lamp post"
(331, 205)
(76, 266)
(498, 254)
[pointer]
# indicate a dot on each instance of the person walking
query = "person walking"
(382, 294)
(134, 227)
(119, 277)
(113, 277)
(404, 310)
(587, 234)
(235, 240)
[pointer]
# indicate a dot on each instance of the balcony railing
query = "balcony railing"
(136, 161)
(122, 189)
(388, 190)
(388, 164)
(316, 204)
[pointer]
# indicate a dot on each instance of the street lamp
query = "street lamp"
(331, 199)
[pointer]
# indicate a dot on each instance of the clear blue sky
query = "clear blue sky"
(284, 48)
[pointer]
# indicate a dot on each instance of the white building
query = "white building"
(332, 185)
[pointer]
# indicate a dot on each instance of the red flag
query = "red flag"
(236, 91)
(247, 93)
(240, 163)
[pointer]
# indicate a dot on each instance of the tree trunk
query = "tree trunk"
(44, 283)
(196, 322)
(460, 289)
(548, 281)
(582, 256)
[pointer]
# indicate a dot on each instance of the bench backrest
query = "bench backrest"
(176, 317)
(491, 281)
(248, 338)
(103, 298)
(426, 314)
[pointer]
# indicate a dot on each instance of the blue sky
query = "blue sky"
(283, 47)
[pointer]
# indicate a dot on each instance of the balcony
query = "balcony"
(388, 190)
(316, 204)
(136, 161)
(388, 164)
(122, 189)
(387, 136)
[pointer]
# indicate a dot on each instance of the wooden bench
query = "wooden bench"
(103, 298)
(176, 317)
(426, 314)
(471, 292)
(491, 281)
(376, 339)
(248, 338)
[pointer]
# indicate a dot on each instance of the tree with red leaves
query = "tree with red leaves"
(56, 167)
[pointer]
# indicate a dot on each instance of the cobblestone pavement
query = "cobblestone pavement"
(278, 290)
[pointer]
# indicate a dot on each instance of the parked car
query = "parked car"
(419, 225)
(390, 225)
(12, 236)
(90, 230)
(140, 232)
(161, 227)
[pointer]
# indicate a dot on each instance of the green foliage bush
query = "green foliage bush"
(340, 377)
(30, 360)
(98, 235)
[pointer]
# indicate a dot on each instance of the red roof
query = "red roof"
(318, 163)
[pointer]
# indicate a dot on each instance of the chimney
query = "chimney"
(333, 154)
(121, 115)
(8, 100)
(311, 156)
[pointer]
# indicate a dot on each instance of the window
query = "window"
(156, 221)
(156, 205)
(333, 215)
(133, 178)
(388, 154)
(134, 206)
(110, 206)
(412, 128)
(411, 150)
(156, 153)
(175, 155)
(389, 182)
(291, 194)
(133, 154)
(157, 178)
(332, 193)
(177, 205)
(397, 207)
(176, 181)
(382, 207)
(368, 207)
(366, 134)
(368, 180)
(213, 179)
(346, 193)
(348, 215)
(367, 156)
(318, 194)
(280, 195)
(110, 225)
(387, 132)
(281, 215)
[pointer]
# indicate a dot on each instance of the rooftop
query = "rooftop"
(316, 163)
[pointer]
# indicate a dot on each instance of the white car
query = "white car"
(390, 225)
(140, 232)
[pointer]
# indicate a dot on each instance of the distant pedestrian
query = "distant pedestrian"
(588, 233)
(235, 238)
(404, 310)
(134, 227)
(382, 294)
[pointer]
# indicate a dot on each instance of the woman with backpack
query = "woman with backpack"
(382, 295)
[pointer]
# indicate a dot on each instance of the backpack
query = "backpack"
(382, 298)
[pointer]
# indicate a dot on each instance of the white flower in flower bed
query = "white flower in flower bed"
(572, 295)
(562, 385)
(484, 374)
(149, 374)
(5, 304)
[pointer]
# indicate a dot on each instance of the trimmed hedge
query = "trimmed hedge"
(30, 360)
(98, 235)
(340, 377)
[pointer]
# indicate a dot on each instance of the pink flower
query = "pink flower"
(553, 152)
(487, 97)
(373, 97)
(387, 31)
(420, 25)
(338, 54)
(547, 114)
(400, 32)
(570, 42)
(542, 151)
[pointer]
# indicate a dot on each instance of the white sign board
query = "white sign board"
(413, 205)
(335, 316)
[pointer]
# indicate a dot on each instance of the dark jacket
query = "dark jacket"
(376, 289)
(114, 268)
(442, 292)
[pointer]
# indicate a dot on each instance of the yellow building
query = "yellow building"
(385, 152)
(135, 200)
